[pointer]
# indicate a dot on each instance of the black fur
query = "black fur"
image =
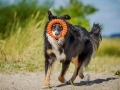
(77, 42)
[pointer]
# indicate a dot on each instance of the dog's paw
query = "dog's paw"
(61, 79)
(46, 87)
(69, 82)
(81, 75)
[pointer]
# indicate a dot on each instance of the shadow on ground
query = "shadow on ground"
(88, 83)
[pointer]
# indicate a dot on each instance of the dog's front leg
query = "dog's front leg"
(76, 63)
(65, 66)
(48, 69)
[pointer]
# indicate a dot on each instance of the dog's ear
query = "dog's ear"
(51, 16)
(65, 17)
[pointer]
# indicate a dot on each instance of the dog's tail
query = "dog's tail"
(95, 35)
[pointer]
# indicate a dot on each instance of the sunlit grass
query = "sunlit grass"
(104, 64)
(110, 47)
(23, 50)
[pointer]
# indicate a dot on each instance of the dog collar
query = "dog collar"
(58, 21)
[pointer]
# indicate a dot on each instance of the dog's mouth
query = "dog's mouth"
(56, 39)
(57, 35)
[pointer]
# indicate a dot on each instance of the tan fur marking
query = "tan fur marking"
(49, 51)
(47, 78)
(61, 79)
(75, 62)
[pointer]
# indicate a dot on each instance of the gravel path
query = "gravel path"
(34, 81)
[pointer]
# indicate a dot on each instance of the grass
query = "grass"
(104, 64)
(23, 50)
(110, 47)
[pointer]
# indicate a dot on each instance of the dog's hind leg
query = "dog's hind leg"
(80, 73)
(65, 66)
(84, 63)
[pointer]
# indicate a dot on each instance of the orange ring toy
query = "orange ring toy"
(62, 23)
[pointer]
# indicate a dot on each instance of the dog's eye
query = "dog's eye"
(53, 25)
(60, 26)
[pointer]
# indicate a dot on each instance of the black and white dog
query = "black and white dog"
(77, 46)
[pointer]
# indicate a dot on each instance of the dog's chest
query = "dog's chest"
(60, 55)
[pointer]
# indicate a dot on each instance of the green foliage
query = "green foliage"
(78, 12)
(20, 14)
(25, 9)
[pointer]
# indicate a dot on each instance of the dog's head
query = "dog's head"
(57, 28)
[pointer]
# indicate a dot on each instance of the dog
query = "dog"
(77, 46)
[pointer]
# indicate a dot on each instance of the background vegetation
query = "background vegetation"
(21, 36)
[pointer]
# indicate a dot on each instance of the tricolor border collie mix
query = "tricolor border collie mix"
(77, 46)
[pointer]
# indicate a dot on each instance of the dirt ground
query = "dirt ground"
(34, 81)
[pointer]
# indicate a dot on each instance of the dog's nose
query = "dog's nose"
(57, 33)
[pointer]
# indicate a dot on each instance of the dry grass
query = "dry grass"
(104, 64)
(23, 50)
(110, 47)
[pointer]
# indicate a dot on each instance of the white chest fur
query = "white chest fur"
(59, 56)
(55, 46)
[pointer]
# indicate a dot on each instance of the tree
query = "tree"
(78, 12)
